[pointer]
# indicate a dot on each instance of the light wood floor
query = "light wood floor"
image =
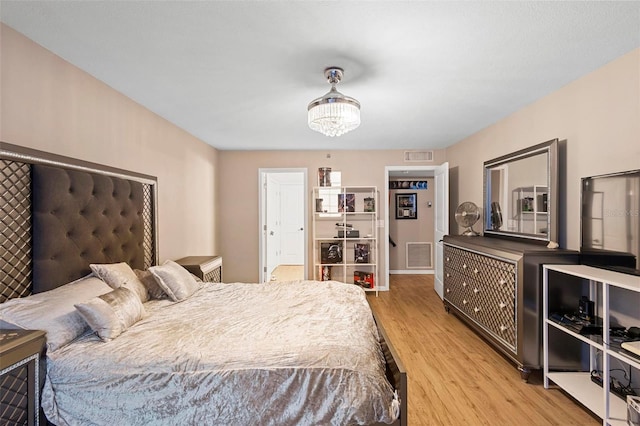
(455, 377)
(287, 273)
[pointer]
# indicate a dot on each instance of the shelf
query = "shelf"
(580, 387)
(593, 341)
(327, 225)
(602, 356)
(616, 279)
(633, 361)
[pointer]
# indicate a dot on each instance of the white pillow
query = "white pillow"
(53, 311)
(111, 314)
(120, 275)
(176, 281)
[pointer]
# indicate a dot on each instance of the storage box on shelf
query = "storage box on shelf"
(616, 298)
(345, 235)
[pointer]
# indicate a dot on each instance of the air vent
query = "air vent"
(413, 156)
(419, 256)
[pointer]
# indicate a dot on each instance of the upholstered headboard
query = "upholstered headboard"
(58, 215)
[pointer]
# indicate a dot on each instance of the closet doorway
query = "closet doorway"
(437, 205)
(283, 212)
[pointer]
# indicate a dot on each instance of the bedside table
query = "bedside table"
(207, 268)
(19, 376)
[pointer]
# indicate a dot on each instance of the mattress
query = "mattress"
(295, 353)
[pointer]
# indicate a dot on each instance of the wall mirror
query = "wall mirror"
(521, 193)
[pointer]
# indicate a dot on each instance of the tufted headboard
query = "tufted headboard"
(59, 214)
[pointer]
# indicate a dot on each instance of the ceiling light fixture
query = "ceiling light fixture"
(334, 114)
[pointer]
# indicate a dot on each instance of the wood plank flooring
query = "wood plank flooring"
(287, 273)
(454, 376)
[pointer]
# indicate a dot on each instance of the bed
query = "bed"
(226, 353)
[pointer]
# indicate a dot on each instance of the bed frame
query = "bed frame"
(59, 214)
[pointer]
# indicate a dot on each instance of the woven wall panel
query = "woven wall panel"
(149, 231)
(15, 235)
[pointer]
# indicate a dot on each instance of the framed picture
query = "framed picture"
(406, 206)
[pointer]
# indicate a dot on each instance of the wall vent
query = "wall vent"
(413, 156)
(419, 256)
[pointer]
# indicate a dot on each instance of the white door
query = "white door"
(292, 226)
(441, 222)
(273, 229)
(283, 213)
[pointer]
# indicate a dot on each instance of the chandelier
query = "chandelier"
(334, 114)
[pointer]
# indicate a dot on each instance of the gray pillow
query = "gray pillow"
(120, 275)
(113, 313)
(149, 281)
(176, 281)
(53, 311)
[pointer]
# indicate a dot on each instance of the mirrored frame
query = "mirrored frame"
(521, 194)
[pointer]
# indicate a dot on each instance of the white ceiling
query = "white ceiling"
(239, 74)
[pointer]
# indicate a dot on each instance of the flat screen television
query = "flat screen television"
(610, 221)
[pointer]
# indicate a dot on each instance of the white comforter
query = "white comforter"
(302, 353)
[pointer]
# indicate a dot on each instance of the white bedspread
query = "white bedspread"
(303, 353)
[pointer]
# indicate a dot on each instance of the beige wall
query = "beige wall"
(599, 117)
(50, 105)
(239, 235)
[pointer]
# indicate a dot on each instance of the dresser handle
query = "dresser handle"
(502, 305)
(475, 290)
(464, 266)
(448, 275)
(475, 271)
(476, 310)
(448, 259)
(503, 327)
(503, 282)
(464, 302)
(448, 290)
(464, 284)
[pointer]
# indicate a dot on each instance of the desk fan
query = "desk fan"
(467, 214)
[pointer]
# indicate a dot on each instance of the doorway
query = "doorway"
(440, 217)
(283, 213)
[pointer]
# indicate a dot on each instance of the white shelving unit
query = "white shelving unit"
(530, 209)
(336, 248)
(609, 407)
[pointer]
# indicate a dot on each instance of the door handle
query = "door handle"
(301, 229)
(271, 233)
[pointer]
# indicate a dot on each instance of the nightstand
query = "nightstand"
(207, 268)
(19, 376)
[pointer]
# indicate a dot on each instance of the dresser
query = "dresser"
(495, 286)
(207, 268)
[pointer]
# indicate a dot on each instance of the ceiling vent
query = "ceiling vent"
(413, 156)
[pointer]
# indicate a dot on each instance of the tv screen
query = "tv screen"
(610, 221)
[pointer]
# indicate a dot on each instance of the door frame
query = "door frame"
(262, 245)
(429, 172)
